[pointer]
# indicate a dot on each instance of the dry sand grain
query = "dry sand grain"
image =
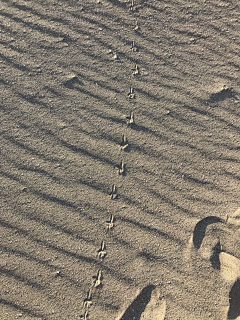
(119, 203)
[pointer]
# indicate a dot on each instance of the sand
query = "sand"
(119, 159)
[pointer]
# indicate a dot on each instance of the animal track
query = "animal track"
(134, 47)
(131, 94)
(110, 223)
(96, 283)
(122, 168)
(97, 279)
(88, 301)
(133, 7)
(114, 194)
(102, 252)
(85, 314)
(137, 28)
(147, 304)
(124, 143)
(136, 70)
(131, 119)
(87, 304)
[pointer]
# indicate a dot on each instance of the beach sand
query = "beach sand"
(119, 159)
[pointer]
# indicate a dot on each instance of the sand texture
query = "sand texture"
(119, 160)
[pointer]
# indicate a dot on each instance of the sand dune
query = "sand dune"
(119, 159)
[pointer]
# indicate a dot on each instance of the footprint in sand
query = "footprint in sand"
(204, 242)
(200, 229)
(146, 306)
(217, 240)
(221, 93)
(234, 301)
(230, 269)
(207, 242)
